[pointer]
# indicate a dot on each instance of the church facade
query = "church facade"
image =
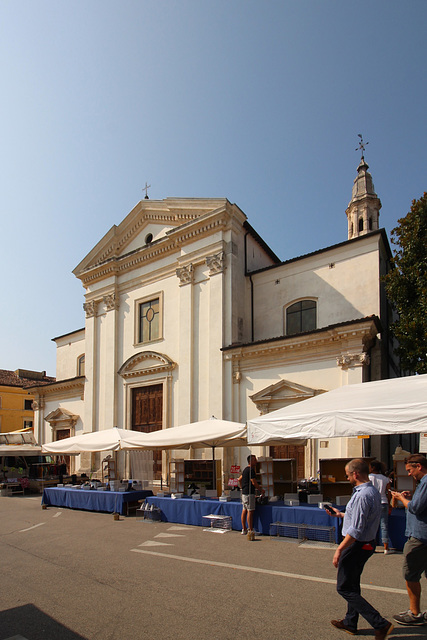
(190, 314)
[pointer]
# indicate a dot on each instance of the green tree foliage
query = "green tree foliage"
(406, 287)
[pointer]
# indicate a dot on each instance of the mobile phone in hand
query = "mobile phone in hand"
(329, 509)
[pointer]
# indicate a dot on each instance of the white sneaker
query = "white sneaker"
(244, 532)
(407, 618)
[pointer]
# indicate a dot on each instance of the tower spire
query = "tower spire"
(363, 210)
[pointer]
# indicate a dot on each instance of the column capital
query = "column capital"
(353, 360)
(185, 274)
(216, 263)
(111, 302)
(90, 308)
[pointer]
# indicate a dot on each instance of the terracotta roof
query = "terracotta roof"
(24, 378)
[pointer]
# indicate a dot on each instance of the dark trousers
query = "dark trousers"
(350, 567)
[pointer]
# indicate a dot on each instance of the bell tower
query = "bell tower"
(363, 211)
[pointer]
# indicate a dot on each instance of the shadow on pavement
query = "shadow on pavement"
(31, 623)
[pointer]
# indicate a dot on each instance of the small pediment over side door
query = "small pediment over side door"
(282, 394)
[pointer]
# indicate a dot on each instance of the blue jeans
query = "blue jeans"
(384, 523)
(350, 567)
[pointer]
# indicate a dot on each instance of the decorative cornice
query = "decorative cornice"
(64, 388)
(328, 344)
(194, 227)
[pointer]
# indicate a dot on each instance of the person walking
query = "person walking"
(382, 483)
(415, 549)
(249, 484)
(360, 526)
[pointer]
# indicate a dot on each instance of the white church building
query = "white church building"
(190, 314)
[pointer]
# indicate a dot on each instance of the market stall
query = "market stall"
(94, 500)
(22, 465)
(210, 433)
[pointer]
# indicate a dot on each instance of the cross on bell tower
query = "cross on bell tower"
(147, 186)
(363, 210)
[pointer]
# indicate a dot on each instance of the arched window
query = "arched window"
(301, 316)
(370, 224)
(360, 224)
(81, 365)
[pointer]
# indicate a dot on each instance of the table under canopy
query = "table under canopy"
(191, 512)
(92, 500)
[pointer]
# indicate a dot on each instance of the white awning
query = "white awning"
(398, 405)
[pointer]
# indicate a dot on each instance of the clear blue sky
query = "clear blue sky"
(260, 102)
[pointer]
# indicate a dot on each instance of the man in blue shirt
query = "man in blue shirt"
(360, 525)
(415, 549)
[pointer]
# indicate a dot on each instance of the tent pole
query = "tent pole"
(214, 468)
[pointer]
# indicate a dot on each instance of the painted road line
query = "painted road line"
(154, 543)
(33, 527)
(281, 574)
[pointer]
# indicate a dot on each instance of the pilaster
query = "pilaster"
(91, 362)
(185, 322)
(216, 264)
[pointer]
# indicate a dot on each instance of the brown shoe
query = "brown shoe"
(339, 624)
(382, 634)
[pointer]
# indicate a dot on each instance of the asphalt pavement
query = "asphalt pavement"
(77, 575)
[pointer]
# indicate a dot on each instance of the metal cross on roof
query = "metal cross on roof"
(361, 146)
(147, 186)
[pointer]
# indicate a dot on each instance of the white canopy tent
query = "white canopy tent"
(19, 443)
(21, 436)
(20, 450)
(205, 433)
(384, 407)
(113, 439)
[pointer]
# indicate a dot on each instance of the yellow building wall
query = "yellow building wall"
(13, 415)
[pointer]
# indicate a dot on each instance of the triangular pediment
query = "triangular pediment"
(146, 363)
(149, 222)
(61, 416)
(282, 394)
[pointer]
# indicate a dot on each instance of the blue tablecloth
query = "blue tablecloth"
(91, 500)
(189, 511)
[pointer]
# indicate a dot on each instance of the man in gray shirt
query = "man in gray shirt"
(360, 526)
(415, 549)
